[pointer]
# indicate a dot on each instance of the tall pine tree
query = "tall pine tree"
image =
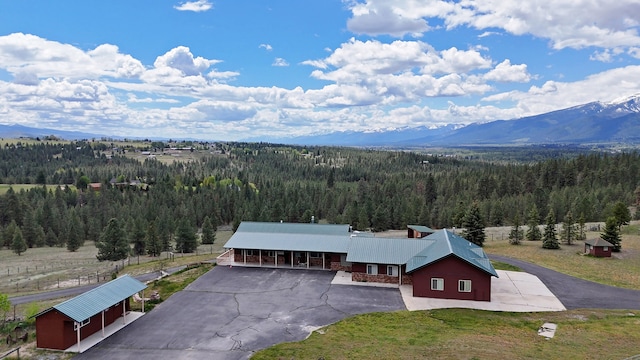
(550, 239)
(154, 246)
(186, 241)
(533, 231)
(516, 234)
(569, 232)
(208, 234)
(113, 244)
(473, 225)
(612, 233)
(18, 245)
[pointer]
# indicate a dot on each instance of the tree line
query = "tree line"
(233, 182)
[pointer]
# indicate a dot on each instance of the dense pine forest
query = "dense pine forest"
(232, 182)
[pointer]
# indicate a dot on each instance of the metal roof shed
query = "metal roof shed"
(82, 308)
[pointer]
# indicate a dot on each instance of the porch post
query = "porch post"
(260, 255)
(102, 323)
(124, 313)
(322, 261)
(244, 254)
(78, 335)
(399, 274)
(143, 301)
(276, 254)
(307, 259)
(292, 259)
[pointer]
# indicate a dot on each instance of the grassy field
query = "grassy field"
(469, 334)
(47, 268)
(622, 269)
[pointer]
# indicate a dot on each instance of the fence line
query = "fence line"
(16, 350)
(13, 270)
(58, 283)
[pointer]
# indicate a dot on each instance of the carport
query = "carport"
(66, 324)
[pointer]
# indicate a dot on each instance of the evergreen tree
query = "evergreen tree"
(208, 234)
(581, 224)
(516, 234)
(186, 241)
(18, 245)
(50, 238)
(137, 236)
(29, 227)
(621, 214)
(75, 237)
(113, 244)
(8, 232)
(40, 239)
(154, 246)
(569, 232)
(550, 239)
(533, 231)
(473, 225)
(612, 234)
(165, 232)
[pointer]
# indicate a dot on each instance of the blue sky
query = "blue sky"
(233, 70)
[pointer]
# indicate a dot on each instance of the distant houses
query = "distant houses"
(437, 264)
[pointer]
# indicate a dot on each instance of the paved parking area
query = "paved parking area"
(230, 312)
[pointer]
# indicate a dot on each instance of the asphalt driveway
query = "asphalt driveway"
(577, 293)
(229, 313)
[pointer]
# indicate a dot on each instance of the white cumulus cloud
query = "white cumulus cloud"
(195, 6)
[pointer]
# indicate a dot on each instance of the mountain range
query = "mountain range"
(593, 123)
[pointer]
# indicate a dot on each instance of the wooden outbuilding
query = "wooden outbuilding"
(68, 323)
(598, 247)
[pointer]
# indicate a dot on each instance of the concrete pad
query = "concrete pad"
(91, 341)
(512, 291)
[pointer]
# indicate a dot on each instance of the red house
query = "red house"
(598, 247)
(438, 264)
(66, 324)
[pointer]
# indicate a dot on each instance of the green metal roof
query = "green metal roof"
(84, 306)
(422, 229)
(598, 242)
(293, 228)
(291, 242)
(446, 244)
(385, 250)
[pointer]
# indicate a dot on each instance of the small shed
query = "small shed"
(66, 324)
(598, 247)
(418, 231)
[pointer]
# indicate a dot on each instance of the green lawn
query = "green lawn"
(469, 334)
(622, 269)
(17, 187)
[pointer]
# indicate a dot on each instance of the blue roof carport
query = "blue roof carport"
(82, 307)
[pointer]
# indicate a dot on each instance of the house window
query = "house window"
(252, 252)
(464, 285)
(271, 253)
(372, 269)
(81, 324)
(315, 255)
(392, 270)
(437, 284)
(605, 248)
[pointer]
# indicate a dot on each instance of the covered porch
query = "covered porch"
(280, 259)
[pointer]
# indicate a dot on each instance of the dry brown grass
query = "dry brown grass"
(40, 269)
(623, 269)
